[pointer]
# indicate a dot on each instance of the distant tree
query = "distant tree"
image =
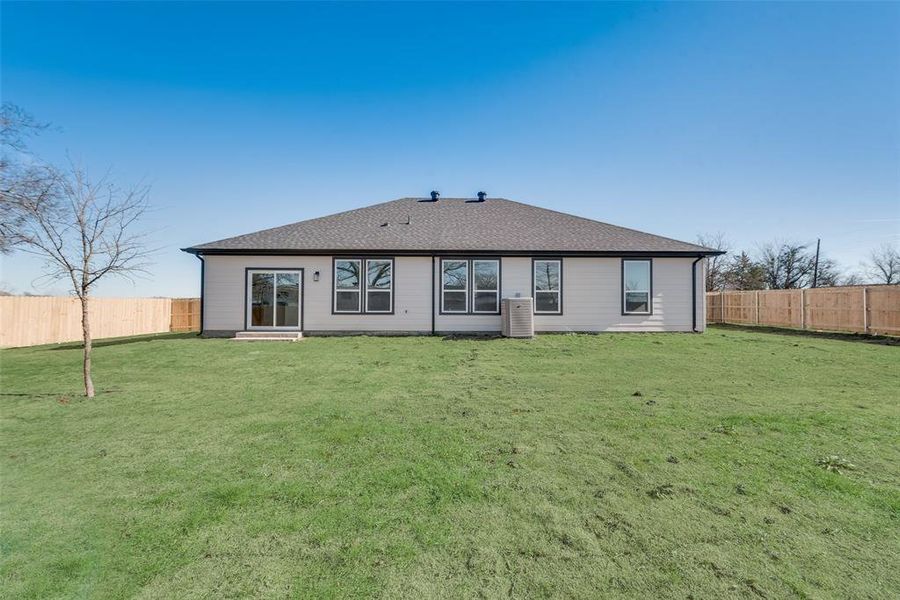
(786, 265)
(84, 231)
(852, 279)
(883, 265)
(830, 273)
(716, 266)
(743, 273)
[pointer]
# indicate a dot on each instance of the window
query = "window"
(364, 285)
(273, 298)
(454, 286)
(485, 286)
(547, 279)
(481, 297)
(636, 287)
(379, 285)
(347, 293)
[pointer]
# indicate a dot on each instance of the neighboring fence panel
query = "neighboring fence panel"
(740, 307)
(33, 320)
(857, 309)
(185, 314)
(883, 305)
(835, 309)
(781, 308)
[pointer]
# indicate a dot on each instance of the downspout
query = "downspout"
(432, 294)
(202, 286)
(694, 294)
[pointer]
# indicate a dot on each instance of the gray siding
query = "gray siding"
(224, 294)
(591, 296)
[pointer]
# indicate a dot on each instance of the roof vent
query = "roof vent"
(481, 196)
(435, 195)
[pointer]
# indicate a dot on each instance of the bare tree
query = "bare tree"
(716, 266)
(830, 273)
(787, 265)
(83, 230)
(22, 176)
(16, 125)
(884, 264)
(852, 279)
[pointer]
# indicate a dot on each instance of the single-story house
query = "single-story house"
(442, 265)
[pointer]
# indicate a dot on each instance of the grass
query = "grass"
(663, 465)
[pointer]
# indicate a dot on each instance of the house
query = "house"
(438, 265)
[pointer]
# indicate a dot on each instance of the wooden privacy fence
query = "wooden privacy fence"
(857, 309)
(33, 320)
(185, 314)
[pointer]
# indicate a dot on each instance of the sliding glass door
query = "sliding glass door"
(273, 299)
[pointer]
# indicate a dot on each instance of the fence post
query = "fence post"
(757, 307)
(722, 304)
(802, 308)
(865, 307)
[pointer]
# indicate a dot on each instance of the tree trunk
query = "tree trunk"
(86, 334)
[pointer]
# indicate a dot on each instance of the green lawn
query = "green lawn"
(637, 465)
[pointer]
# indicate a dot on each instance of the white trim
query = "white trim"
(464, 291)
(388, 290)
(358, 290)
(476, 289)
(558, 291)
(626, 291)
(249, 295)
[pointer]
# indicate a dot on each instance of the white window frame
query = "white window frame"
(389, 291)
(476, 289)
(249, 292)
(534, 290)
(465, 291)
(648, 291)
(359, 286)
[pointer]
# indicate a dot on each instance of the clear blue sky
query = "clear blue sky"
(762, 121)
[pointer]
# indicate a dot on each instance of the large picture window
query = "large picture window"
(364, 285)
(636, 287)
(547, 278)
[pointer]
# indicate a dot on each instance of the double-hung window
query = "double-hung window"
(455, 286)
(379, 285)
(470, 286)
(363, 285)
(547, 279)
(347, 285)
(486, 286)
(636, 287)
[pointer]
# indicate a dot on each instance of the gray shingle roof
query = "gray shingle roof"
(450, 225)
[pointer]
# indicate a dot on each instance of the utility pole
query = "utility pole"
(815, 280)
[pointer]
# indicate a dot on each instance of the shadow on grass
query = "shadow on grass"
(471, 337)
(66, 396)
(882, 340)
(125, 340)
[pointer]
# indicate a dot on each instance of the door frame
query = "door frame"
(248, 304)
